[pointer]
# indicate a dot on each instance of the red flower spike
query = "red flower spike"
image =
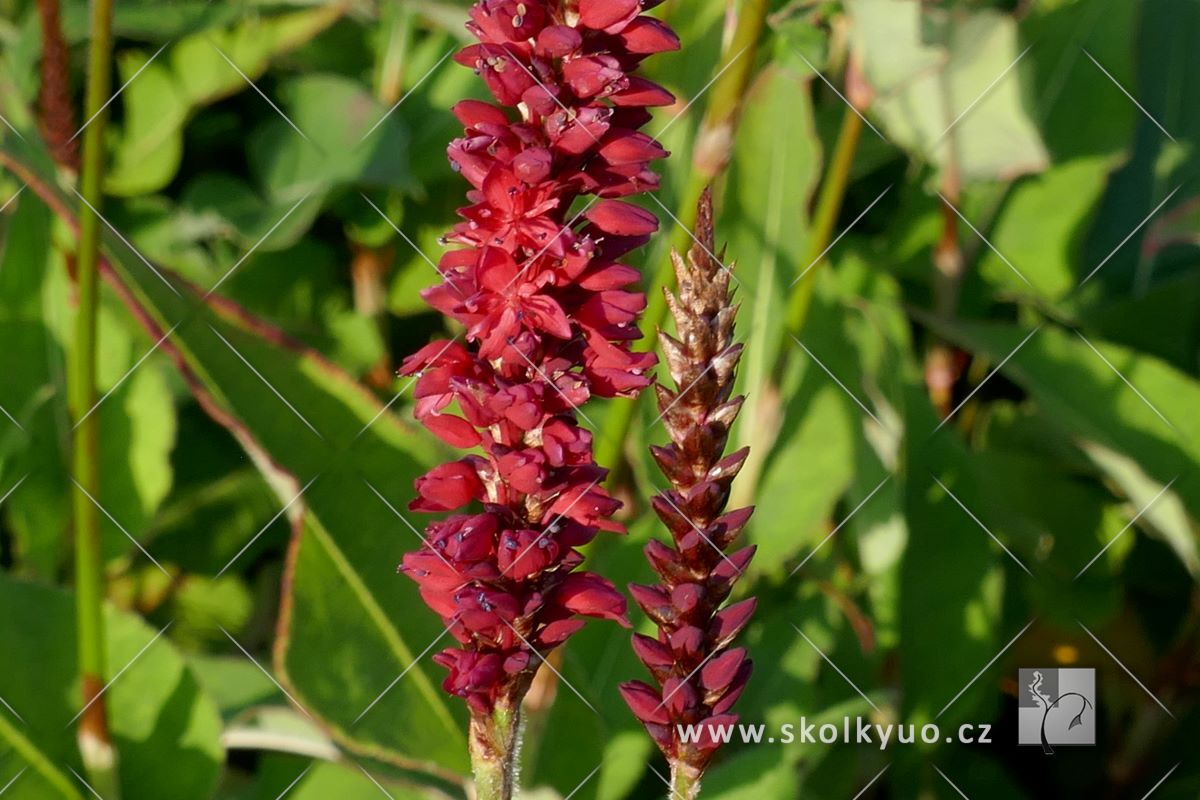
(550, 318)
(701, 676)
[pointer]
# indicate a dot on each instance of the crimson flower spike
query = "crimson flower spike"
(549, 317)
(699, 675)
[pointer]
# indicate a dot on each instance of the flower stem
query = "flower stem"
(710, 157)
(685, 782)
(495, 742)
(95, 743)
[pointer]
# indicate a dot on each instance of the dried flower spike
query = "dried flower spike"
(549, 319)
(698, 674)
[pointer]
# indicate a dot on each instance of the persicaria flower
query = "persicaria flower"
(699, 675)
(549, 316)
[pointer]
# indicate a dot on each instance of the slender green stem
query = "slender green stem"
(710, 157)
(825, 214)
(685, 782)
(494, 745)
(95, 744)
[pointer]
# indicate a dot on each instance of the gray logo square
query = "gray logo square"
(1056, 706)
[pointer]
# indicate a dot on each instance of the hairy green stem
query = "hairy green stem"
(710, 157)
(95, 744)
(685, 782)
(494, 745)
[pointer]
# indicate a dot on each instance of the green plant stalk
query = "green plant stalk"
(685, 783)
(710, 157)
(96, 749)
(825, 215)
(494, 745)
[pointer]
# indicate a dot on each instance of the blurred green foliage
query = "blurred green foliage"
(277, 187)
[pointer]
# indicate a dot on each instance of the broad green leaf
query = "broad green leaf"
(149, 143)
(1041, 228)
(306, 424)
(166, 729)
(951, 580)
(1089, 398)
(940, 79)
(200, 61)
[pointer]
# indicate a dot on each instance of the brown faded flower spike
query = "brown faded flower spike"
(700, 676)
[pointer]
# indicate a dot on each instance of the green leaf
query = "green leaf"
(951, 580)
(1041, 229)
(269, 392)
(941, 78)
(1068, 379)
(149, 143)
(166, 729)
